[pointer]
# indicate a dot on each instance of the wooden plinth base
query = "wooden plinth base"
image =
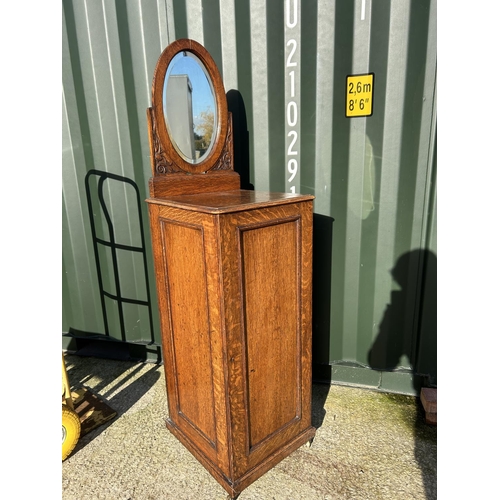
(236, 485)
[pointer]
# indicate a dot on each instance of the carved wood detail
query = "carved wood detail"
(165, 165)
(225, 161)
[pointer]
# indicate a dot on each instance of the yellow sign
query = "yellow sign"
(359, 95)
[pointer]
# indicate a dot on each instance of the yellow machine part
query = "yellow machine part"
(66, 391)
(71, 426)
(82, 412)
(70, 430)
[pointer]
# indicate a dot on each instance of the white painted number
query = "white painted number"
(289, 22)
(289, 62)
(292, 83)
(292, 168)
(292, 109)
(294, 134)
(291, 114)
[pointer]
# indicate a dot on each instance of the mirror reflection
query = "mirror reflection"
(189, 107)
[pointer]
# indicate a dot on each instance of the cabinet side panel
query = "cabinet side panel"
(270, 264)
(190, 334)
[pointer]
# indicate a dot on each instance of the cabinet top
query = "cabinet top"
(229, 201)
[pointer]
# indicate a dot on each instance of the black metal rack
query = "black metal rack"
(114, 246)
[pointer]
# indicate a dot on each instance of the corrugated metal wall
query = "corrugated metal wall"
(287, 61)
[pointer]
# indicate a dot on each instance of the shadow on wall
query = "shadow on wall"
(396, 339)
(396, 336)
(321, 314)
(236, 107)
(321, 297)
(119, 252)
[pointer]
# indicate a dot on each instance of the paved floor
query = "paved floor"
(368, 445)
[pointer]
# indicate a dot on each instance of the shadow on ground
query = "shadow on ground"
(368, 446)
(120, 385)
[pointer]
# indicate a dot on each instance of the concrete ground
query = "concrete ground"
(368, 445)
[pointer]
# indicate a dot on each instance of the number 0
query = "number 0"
(291, 113)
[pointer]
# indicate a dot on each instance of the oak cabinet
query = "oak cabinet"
(233, 275)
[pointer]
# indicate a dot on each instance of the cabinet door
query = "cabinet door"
(267, 270)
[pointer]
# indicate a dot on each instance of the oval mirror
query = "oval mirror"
(189, 111)
(189, 107)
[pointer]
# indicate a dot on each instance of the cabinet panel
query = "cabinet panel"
(270, 263)
(189, 327)
(267, 273)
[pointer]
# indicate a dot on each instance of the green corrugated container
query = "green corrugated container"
(285, 66)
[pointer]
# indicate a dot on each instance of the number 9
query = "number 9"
(292, 168)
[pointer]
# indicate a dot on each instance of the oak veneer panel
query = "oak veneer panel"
(189, 319)
(250, 458)
(216, 458)
(271, 272)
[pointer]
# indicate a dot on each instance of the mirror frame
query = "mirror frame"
(167, 159)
